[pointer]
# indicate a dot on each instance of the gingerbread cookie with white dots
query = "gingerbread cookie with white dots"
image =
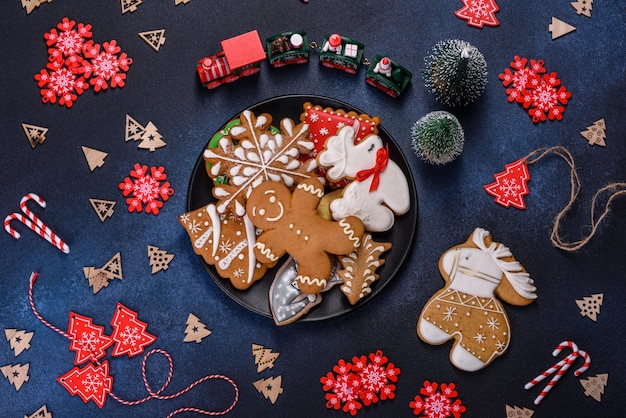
(291, 225)
(467, 310)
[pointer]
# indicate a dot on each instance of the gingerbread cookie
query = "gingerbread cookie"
(324, 123)
(380, 190)
(252, 153)
(227, 242)
(291, 225)
(467, 309)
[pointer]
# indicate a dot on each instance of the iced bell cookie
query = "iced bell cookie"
(467, 309)
(380, 189)
(225, 241)
(290, 224)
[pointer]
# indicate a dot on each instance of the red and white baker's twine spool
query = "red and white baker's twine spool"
(151, 393)
(34, 223)
(559, 368)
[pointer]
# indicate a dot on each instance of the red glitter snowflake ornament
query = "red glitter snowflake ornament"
(479, 13)
(437, 403)
(146, 188)
(364, 381)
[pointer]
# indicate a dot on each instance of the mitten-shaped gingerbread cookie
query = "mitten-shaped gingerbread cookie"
(291, 225)
(467, 309)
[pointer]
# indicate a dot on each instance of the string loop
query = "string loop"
(151, 393)
(616, 189)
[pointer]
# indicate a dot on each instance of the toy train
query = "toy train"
(242, 55)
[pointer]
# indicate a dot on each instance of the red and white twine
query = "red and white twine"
(151, 393)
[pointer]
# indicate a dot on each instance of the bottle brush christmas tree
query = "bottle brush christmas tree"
(456, 72)
(437, 137)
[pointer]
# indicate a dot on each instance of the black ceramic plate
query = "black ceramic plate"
(334, 303)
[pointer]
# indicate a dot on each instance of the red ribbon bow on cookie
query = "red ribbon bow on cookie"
(382, 156)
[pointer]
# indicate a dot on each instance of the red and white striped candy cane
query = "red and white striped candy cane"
(34, 223)
(582, 369)
(556, 366)
(568, 362)
(28, 212)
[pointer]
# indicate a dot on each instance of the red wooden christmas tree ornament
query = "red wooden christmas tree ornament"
(88, 340)
(129, 333)
(479, 13)
(510, 186)
(91, 383)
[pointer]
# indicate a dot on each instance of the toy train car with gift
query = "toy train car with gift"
(242, 56)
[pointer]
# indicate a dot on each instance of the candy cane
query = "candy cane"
(34, 223)
(582, 369)
(560, 368)
(556, 366)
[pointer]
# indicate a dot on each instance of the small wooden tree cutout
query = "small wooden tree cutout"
(154, 38)
(103, 208)
(16, 373)
(590, 306)
(264, 358)
(559, 28)
(270, 387)
(177, 2)
(195, 330)
(99, 278)
(134, 130)
(130, 5)
(151, 139)
(18, 339)
(35, 134)
(94, 157)
(594, 386)
(516, 411)
(31, 5)
(583, 7)
(596, 133)
(159, 259)
(40, 413)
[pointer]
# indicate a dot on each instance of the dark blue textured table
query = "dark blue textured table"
(162, 87)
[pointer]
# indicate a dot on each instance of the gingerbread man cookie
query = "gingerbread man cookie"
(380, 190)
(291, 225)
(467, 309)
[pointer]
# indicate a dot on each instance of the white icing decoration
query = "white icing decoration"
(376, 209)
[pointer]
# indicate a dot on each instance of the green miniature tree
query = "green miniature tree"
(437, 137)
(456, 72)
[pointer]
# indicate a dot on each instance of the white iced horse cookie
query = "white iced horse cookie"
(380, 190)
(467, 309)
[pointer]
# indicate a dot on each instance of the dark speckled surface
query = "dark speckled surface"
(163, 88)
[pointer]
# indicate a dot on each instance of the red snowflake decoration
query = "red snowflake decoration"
(105, 66)
(479, 13)
(146, 188)
(60, 83)
(536, 90)
(75, 62)
(437, 403)
(510, 186)
(66, 46)
(364, 381)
